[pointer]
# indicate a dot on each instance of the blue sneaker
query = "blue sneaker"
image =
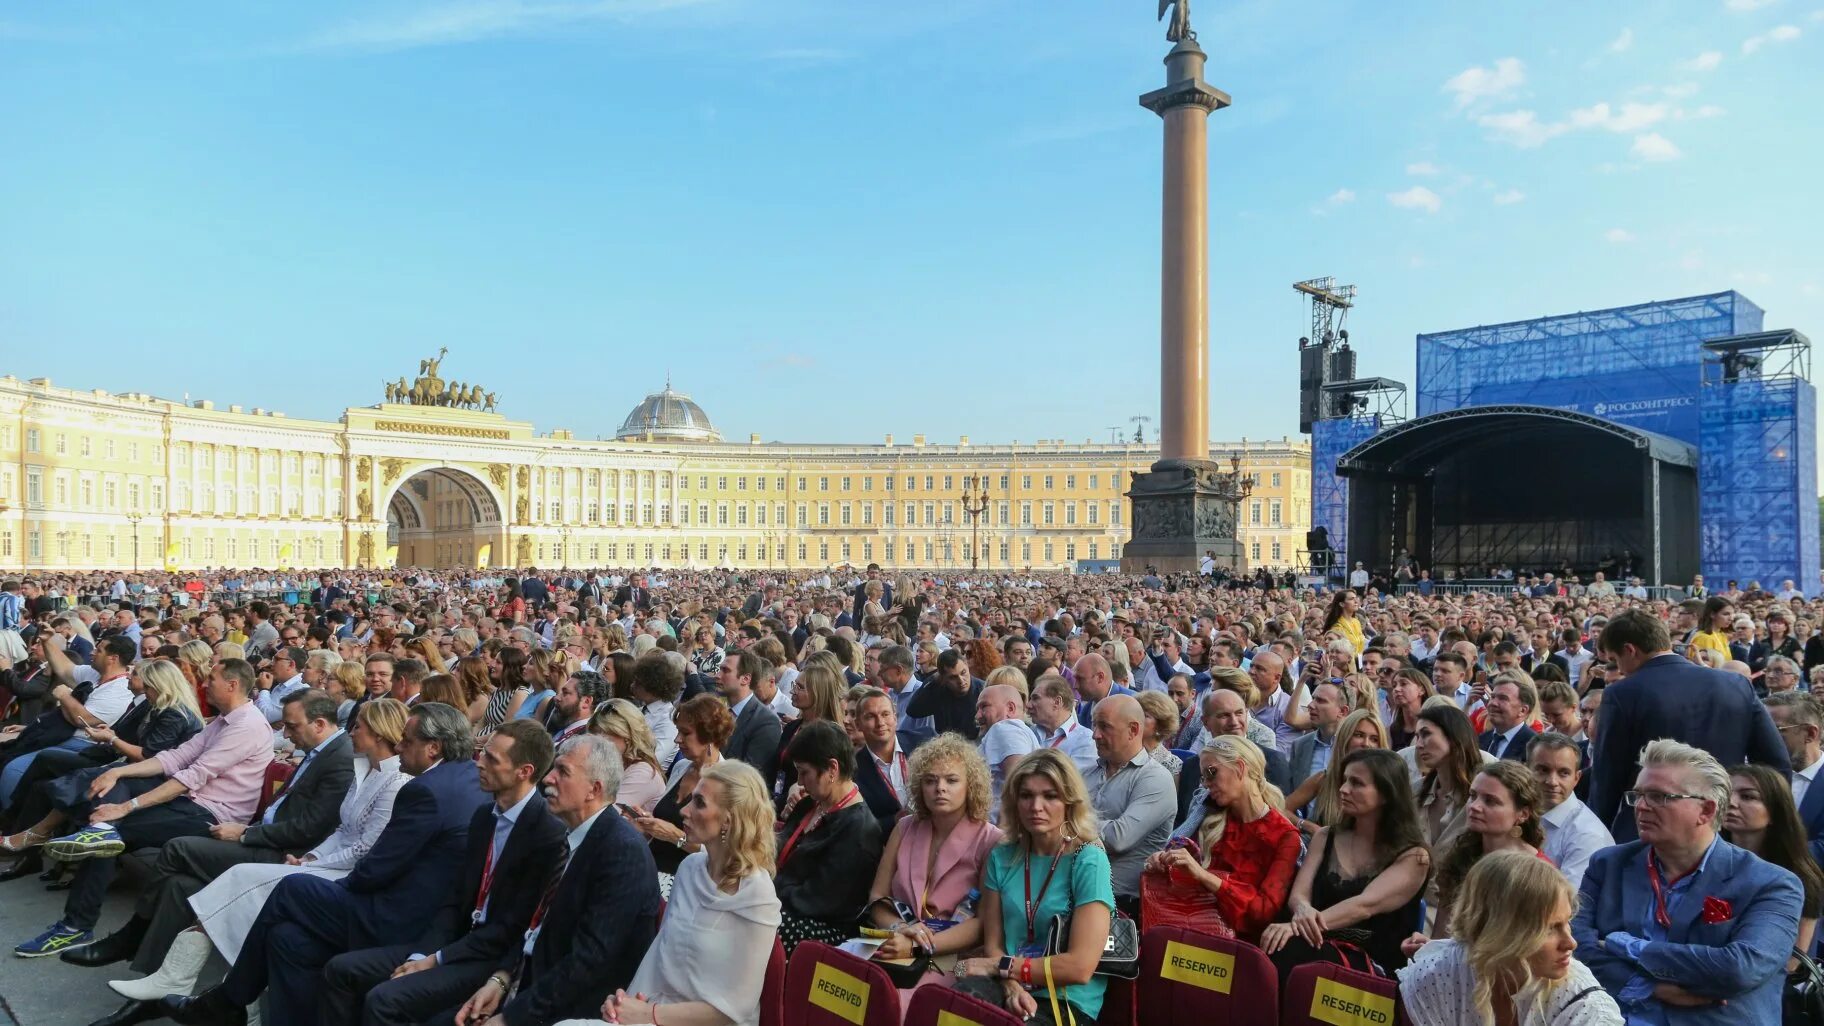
(93, 842)
(60, 937)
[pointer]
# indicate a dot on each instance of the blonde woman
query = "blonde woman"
(227, 907)
(817, 695)
(195, 659)
(934, 857)
(352, 678)
(1012, 676)
(1249, 847)
(1052, 838)
(642, 781)
(1509, 959)
(707, 965)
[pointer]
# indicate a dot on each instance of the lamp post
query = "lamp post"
(975, 507)
(134, 519)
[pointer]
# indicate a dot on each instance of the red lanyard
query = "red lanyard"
(810, 822)
(1032, 904)
(1069, 725)
(887, 773)
(1660, 886)
(487, 884)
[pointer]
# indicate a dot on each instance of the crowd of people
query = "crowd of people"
(435, 796)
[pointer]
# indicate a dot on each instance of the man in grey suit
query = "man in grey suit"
(1313, 751)
(305, 812)
(757, 728)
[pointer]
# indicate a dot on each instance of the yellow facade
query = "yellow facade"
(90, 479)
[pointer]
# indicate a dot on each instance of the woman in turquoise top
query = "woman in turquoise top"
(1050, 862)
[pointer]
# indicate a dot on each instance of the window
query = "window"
(804, 516)
(1092, 550)
(1025, 514)
(911, 550)
(31, 439)
(1256, 552)
(930, 483)
(1276, 482)
(1114, 513)
(845, 484)
(108, 448)
(1273, 511)
(782, 488)
(1070, 551)
(741, 515)
(63, 446)
(1048, 516)
(823, 484)
(1070, 482)
(61, 488)
(1095, 482)
(886, 510)
(110, 494)
(1003, 510)
(1094, 508)
(845, 516)
(82, 446)
(1048, 552)
(949, 482)
(721, 484)
(911, 483)
(1048, 480)
(867, 485)
(1276, 549)
(823, 514)
(911, 514)
(34, 487)
(740, 484)
(887, 483)
(823, 551)
(760, 484)
(867, 514)
(801, 484)
(703, 513)
(930, 512)
(760, 512)
(702, 486)
(721, 514)
(1254, 512)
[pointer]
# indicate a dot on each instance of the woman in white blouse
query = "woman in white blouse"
(1508, 962)
(707, 965)
(225, 910)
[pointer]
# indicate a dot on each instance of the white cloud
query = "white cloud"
(1706, 61)
(1743, 6)
(1618, 235)
(1632, 117)
(1480, 83)
(1416, 198)
(1681, 91)
(1509, 197)
(1654, 147)
(467, 21)
(1623, 41)
(1708, 110)
(1423, 167)
(1341, 196)
(1521, 128)
(1782, 34)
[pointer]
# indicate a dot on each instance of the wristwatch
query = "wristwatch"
(1004, 968)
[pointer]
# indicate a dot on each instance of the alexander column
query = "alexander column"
(1187, 505)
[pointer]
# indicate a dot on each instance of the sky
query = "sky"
(829, 221)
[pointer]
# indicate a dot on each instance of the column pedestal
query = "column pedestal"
(1183, 509)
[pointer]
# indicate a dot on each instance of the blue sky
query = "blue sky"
(832, 220)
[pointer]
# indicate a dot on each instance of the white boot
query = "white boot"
(178, 975)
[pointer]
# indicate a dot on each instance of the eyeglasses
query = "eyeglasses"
(1656, 799)
(1210, 773)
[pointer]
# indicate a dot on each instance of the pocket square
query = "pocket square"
(1716, 910)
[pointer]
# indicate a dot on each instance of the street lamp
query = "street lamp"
(975, 507)
(134, 519)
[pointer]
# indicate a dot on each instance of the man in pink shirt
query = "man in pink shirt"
(215, 777)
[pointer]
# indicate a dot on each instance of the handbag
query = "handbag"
(1802, 999)
(1120, 955)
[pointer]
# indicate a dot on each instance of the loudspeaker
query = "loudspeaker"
(1318, 538)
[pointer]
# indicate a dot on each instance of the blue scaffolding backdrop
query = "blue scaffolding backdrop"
(1758, 480)
(1329, 491)
(1636, 365)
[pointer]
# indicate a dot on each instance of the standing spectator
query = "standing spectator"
(1800, 720)
(1735, 917)
(1664, 697)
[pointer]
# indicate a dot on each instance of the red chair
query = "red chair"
(278, 774)
(772, 992)
(1339, 995)
(827, 987)
(1186, 976)
(956, 1008)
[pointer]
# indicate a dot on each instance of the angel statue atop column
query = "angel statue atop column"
(1180, 28)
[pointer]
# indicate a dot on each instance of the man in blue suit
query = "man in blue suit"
(1799, 717)
(1511, 699)
(390, 897)
(1682, 927)
(1663, 696)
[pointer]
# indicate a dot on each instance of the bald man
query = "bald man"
(1094, 681)
(1006, 738)
(1135, 797)
(1224, 713)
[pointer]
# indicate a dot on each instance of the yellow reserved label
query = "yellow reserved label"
(1199, 967)
(1343, 1005)
(838, 993)
(945, 1017)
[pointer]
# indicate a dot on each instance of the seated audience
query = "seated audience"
(934, 857)
(1134, 797)
(1358, 891)
(1735, 916)
(641, 783)
(703, 727)
(1572, 831)
(1225, 714)
(1006, 738)
(1237, 682)
(212, 779)
(1445, 754)
(1314, 803)
(1510, 702)
(656, 684)
(722, 913)
(1503, 815)
(882, 766)
(1051, 837)
(389, 898)
(1249, 848)
(1762, 821)
(829, 843)
(1411, 690)
(1509, 956)
(1055, 721)
(1160, 723)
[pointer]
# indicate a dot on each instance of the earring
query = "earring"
(725, 833)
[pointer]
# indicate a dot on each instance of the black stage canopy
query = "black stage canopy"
(1529, 487)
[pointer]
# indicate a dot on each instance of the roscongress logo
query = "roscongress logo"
(1642, 406)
